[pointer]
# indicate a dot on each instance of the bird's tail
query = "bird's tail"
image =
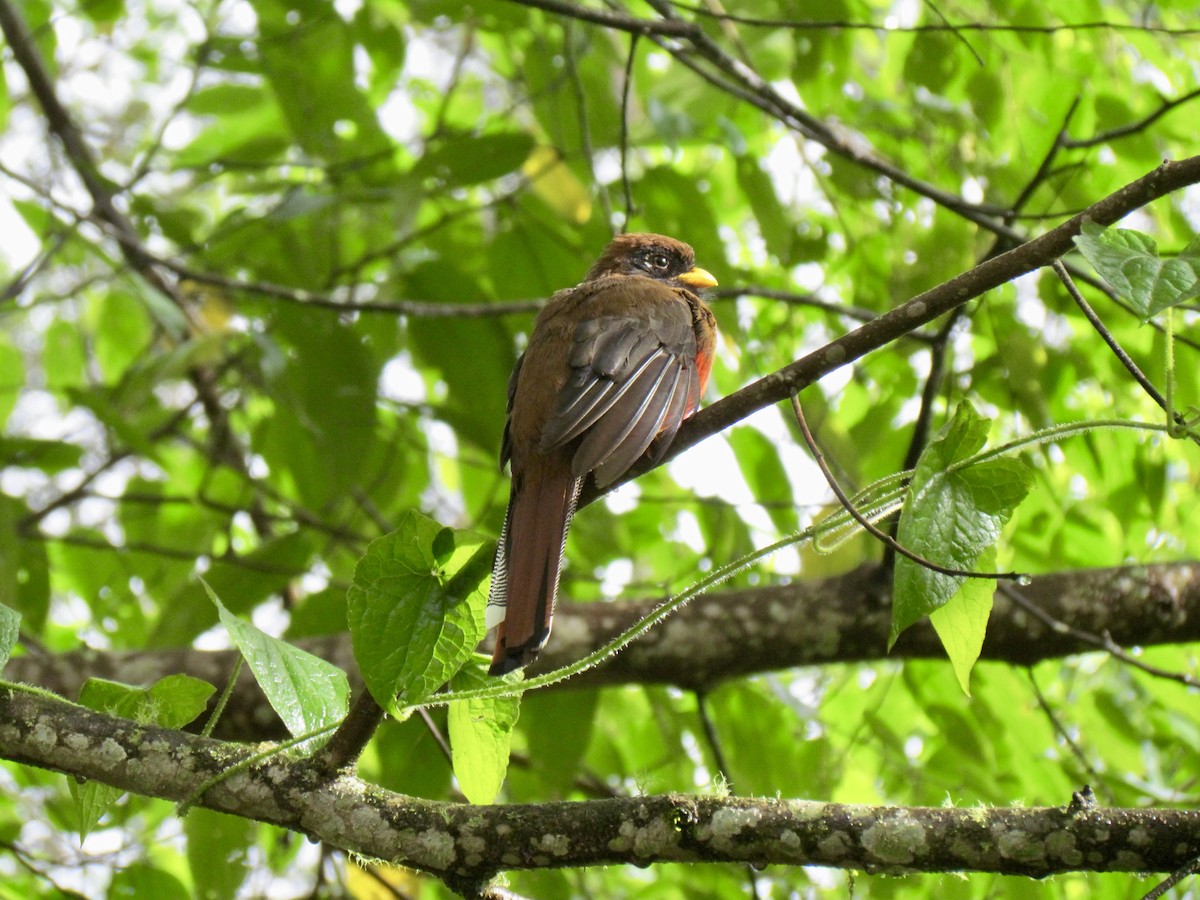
(528, 559)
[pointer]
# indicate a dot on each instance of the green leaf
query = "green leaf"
(24, 585)
(307, 692)
(471, 382)
(480, 734)
(92, 801)
(140, 880)
(414, 621)
(474, 160)
(556, 754)
(5, 101)
(307, 54)
(952, 514)
(171, 702)
(104, 12)
(325, 406)
(248, 128)
(962, 622)
(10, 631)
(12, 376)
(213, 836)
(758, 458)
(46, 455)
(1129, 261)
(777, 230)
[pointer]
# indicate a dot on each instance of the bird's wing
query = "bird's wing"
(506, 440)
(632, 375)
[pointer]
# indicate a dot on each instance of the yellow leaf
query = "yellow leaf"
(365, 881)
(557, 186)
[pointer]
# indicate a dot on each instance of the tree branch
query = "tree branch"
(988, 275)
(732, 634)
(466, 845)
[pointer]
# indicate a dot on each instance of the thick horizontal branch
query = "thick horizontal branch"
(846, 618)
(731, 634)
(465, 845)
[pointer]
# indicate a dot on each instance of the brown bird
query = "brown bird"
(612, 364)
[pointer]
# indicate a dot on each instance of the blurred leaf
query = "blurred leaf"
(217, 852)
(325, 400)
(5, 102)
(307, 692)
(557, 185)
(414, 619)
(480, 732)
(140, 880)
(104, 12)
(472, 160)
(123, 332)
(24, 577)
(48, 456)
(241, 582)
(557, 727)
(758, 458)
(321, 613)
(247, 127)
(65, 347)
(473, 356)
(1129, 261)
(777, 229)
(12, 376)
(307, 52)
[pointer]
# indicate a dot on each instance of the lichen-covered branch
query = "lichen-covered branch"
(465, 845)
(731, 634)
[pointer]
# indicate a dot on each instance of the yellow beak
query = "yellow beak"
(698, 278)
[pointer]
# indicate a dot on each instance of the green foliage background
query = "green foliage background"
(303, 165)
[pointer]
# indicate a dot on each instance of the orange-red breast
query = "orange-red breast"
(613, 363)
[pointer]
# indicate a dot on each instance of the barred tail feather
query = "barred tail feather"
(529, 558)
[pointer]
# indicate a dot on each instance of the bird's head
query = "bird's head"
(652, 256)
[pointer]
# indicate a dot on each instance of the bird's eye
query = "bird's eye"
(660, 261)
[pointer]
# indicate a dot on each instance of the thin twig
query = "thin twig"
(714, 744)
(1044, 169)
(843, 25)
(1133, 127)
(866, 523)
(585, 128)
(632, 24)
(1102, 642)
(858, 313)
(223, 700)
(1118, 351)
(71, 136)
(1065, 737)
(957, 32)
(414, 308)
(625, 92)
(1173, 879)
(438, 738)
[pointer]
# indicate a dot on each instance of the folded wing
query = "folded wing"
(633, 375)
